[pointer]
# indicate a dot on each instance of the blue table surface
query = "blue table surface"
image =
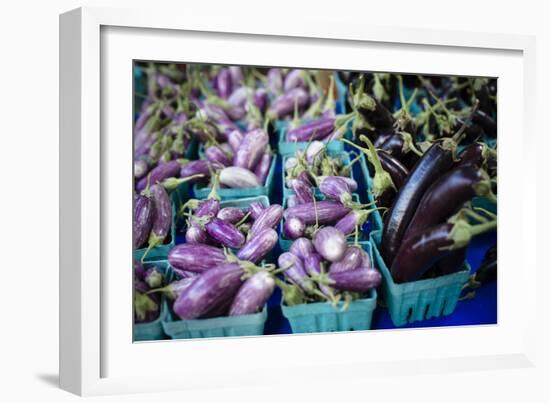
(482, 309)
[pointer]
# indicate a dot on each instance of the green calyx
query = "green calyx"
(143, 304)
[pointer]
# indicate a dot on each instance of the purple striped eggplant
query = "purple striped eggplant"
(275, 81)
(313, 267)
(283, 105)
(314, 150)
(294, 270)
(161, 172)
(294, 79)
(330, 243)
(140, 168)
(237, 77)
(139, 270)
(251, 149)
(353, 257)
(209, 290)
(336, 188)
(224, 84)
(238, 178)
(175, 288)
(162, 221)
(183, 273)
(207, 207)
(253, 294)
(314, 130)
(263, 167)
(215, 154)
(196, 234)
(302, 247)
(195, 258)
(224, 233)
(240, 95)
(144, 214)
(303, 192)
(327, 212)
(260, 99)
(234, 139)
(257, 247)
(153, 277)
(199, 167)
(268, 218)
(358, 280)
(255, 209)
(292, 201)
(293, 228)
(305, 177)
(354, 219)
(231, 214)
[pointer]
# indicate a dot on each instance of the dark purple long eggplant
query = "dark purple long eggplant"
(436, 161)
(253, 294)
(326, 212)
(420, 251)
(196, 258)
(224, 233)
(144, 214)
(486, 122)
(475, 153)
(448, 194)
(209, 290)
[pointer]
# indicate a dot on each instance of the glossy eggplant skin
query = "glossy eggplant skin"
(436, 161)
(225, 233)
(472, 154)
(144, 215)
(327, 212)
(381, 118)
(419, 252)
(453, 262)
(394, 167)
(394, 146)
(486, 122)
(444, 197)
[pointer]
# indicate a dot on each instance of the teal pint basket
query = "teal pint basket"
(154, 330)
(422, 299)
(320, 317)
(201, 192)
(224, 326)
(344, 156)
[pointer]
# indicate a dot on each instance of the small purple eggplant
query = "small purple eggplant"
(224, 233)
(195, 234)
(231, 214)
(353, 257)
(263, 167)
(144, 214)
(251, 149)
(199, 167)
(209, 290)
(293, 228)
(223, 83)
(327, 212)
(234, 139)
(255, 209)
(139, 270)
(330, 243)
(284, 105)
(359, 280)
(294, 270)
(313, 150)
(335, 188)
(312, 266)
(257, 247)
(294, 79)
(302, 190)
(161, 172)
(253, 294)
(236, 177)
(302, 247)
(314, 130)
(207, 207)
(275, 81)
(195, 257)
(216, 154)
(268, 218)
(260, 99)
(162, 221)
(237, 77)
(355, 218)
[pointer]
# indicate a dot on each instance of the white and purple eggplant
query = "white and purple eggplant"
(197, 258)
(255, 209)
(253, 294)
(140, 168)
(161, 172)
(302, 247)
(353, 258)
(293, 228)
(313, 267)
(268, 218)
(303, 191)
(358, 280)
(224, 233)
(293, 269)
(336, 188)
(231, 214)
(275, 81)
(262, 168)
(314, 130)
(330, 243)
(238, 178)
(283, 105)
(257, 247)
(144, 214)
(251, 149)
(209, 290)
(162, 220)
(321, 212)
(218, 155)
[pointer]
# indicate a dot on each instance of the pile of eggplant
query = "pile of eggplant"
(326, 269)
(419, 175)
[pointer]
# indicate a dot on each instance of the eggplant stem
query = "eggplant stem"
(243, 220)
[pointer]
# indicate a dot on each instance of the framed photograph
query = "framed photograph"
(239, 197)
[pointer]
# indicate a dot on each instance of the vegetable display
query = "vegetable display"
(258, 190)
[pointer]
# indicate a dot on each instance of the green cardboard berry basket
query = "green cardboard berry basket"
(323, 317)
(201, 192)
(223, 326)
(154, 330)
(344, 156)
(422, 299)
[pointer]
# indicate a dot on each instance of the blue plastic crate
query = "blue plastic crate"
(201, 192)
(422, 299)
(154, 330)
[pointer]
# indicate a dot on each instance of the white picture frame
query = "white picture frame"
(95, 352)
